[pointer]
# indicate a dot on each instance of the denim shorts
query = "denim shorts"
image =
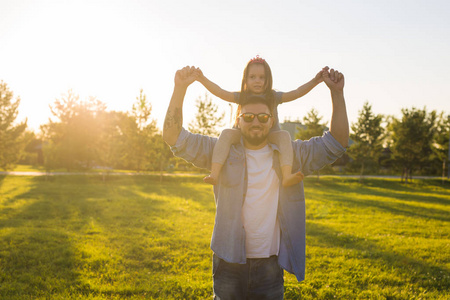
(259, 278)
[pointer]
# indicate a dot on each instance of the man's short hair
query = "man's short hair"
(256, 99)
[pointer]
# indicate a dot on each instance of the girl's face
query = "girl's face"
(256, 79)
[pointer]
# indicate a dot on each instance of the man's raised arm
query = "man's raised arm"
(174, 116)
(339, 122)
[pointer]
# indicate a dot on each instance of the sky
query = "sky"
(393, 54)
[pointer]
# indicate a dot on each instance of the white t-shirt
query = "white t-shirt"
(259, 212)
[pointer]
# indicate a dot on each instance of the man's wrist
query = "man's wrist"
(337, 93)
(181, 88)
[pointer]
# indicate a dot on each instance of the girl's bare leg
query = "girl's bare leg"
(283, 140)
(220, 153)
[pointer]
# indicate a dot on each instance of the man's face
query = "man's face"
(255, 133)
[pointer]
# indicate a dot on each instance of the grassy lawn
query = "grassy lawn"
(131, 237)
(29, 168)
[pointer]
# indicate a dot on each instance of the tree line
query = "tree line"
(83, 135)
(417, 143)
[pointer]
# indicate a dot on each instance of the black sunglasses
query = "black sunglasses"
(249, 117)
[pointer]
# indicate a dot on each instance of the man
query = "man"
(259, 227)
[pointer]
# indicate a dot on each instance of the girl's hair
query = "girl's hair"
(268, 81)
(267, 73)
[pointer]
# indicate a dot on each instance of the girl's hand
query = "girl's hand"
(198, 74)
(318, 78)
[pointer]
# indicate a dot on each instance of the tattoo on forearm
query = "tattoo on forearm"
(173, 119)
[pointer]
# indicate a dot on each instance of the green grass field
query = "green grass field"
(132, 237)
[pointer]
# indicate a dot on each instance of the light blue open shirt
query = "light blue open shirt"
(228, 239)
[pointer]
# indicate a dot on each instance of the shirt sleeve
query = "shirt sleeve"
(317, 152)
(194, 148)
(278, 95)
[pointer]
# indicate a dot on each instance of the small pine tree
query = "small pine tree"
(12, 140)
(313, 127)
(441, 140)
(206, 119)
(412, 138)
(367, 136)
(313, 124)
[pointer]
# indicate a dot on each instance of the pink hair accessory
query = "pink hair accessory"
(257, 60)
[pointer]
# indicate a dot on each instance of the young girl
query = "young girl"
(257, 80)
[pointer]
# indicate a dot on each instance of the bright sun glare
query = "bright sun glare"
(110, 49)
(93, 49)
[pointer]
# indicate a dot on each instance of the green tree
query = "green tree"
(12, 136)
(141, 111)
(72, 141)
(313, 126)
(207, 118)
(161, 154)
(441, 140)
(367, 135)
(111, 145)
(139, 131)
(411, 140)
(32, 154)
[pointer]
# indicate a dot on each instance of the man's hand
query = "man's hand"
(333, 79)
(185, 76)
(339, 128)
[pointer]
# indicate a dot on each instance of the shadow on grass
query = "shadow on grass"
(45, 232)
(189, 188)
(411, 204)
(421, 190)
(418, 272)
(38, 257)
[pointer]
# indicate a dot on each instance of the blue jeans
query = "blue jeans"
(259, 278)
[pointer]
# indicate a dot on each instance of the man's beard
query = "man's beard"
(255, 140)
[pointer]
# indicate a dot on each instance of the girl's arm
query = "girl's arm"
(304, 89)
(214, 88)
